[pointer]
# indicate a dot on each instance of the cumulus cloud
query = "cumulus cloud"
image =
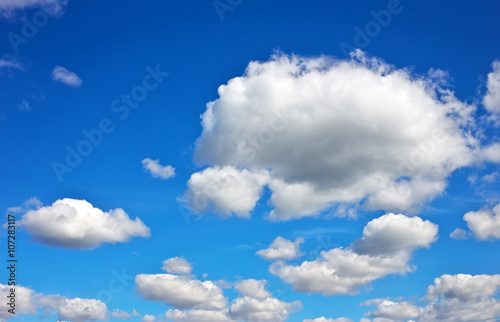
(460, 297)
(71, 223)
(492, 98)
(385, 248)
(75, 309)
(157, 170)
(180, 291)
(485, 223)
(330, 135)
(148, 318)
(64, 76)
(177, 265)
(261, 310)
(195, 301)
(196, 316)
(253, 288)
(393, 310)
(225, 190)
(282, 248)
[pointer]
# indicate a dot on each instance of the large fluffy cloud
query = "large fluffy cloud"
(485, 223)
(329, 133)
(180, 291)
(72, 223)
(385, 248)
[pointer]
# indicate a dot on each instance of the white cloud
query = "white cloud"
(385, 248)
(485, 223)
(9, 64)
(71, 223)
(492, 177)
(75, 309)
(393, 310)
(282, 248)
(177, 265)
(157, 170)
(253, 288)
(331, 135)
(323, 319)
(64, 76)
(459, 234)
(460, 298)
(181, 292)
(492, 98)
(225, 190)
(197, 316)
(120, 314)
(491, 153)
(31, 204)
(261, 310)
(52, 7)
(25, 301)
(148, 318)
(197, 301)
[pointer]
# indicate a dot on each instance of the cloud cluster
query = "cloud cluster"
(71, 223)
(75, 309)
(327, 135)
(385, 248)
(157, 170)
(194, 300)
(460, 297)
(64, 76)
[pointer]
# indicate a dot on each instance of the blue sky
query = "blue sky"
(307, 140)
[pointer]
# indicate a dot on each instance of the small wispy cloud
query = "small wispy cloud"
(64, 76)
(24, 106)
(9, 7)
(157, 170)
(10, 64)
